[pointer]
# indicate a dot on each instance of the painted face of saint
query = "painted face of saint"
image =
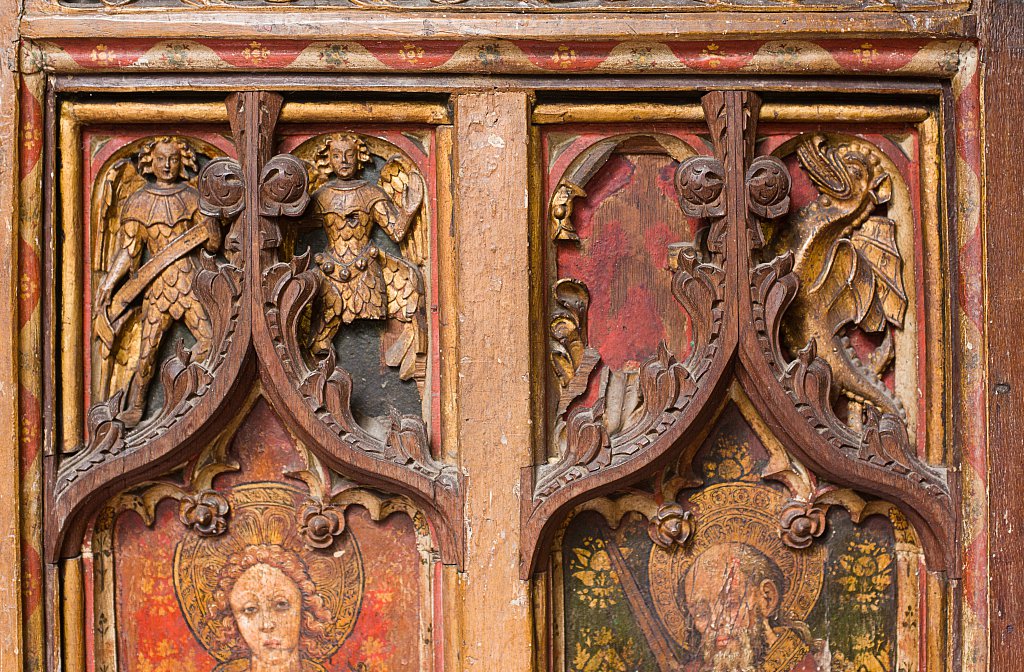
(730, 608)
(166, 162)
(268, 608)
(344, 157)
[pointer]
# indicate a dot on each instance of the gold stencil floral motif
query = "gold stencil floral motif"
(592, 566)
(596, 652)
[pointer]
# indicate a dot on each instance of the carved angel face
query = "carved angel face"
(344, 157)
(166, 161)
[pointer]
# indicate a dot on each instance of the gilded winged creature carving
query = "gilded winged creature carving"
(849, 267)
(153, 239)
(359, 280)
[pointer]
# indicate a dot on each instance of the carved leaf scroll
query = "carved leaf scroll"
(744, 198)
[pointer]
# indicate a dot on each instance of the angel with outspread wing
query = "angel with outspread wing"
(152, 230)
(358, 279)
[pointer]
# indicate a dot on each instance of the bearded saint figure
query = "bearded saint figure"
(733, 593)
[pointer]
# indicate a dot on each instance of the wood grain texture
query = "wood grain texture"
(494, 371)
(1003, 55)
(10, 545)
(433, 25)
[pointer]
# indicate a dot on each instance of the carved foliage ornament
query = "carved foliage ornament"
(837, 268)
(181, 230)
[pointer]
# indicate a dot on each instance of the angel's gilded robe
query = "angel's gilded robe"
(349, 209)
(152, 217)
(155, 216)
(359, 280)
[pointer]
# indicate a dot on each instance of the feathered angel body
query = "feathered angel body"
(153, 217)
(149, 216)
(358, 279)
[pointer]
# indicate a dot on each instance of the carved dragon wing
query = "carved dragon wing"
(117, 344)
(861, 281)
(394, 180)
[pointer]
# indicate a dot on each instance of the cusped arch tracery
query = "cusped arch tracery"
(264, 297)
(794, 391)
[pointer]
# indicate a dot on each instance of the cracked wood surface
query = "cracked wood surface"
(494, 378)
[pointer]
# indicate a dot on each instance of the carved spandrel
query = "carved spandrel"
(342, 283)
(614, 413)
(837, 270)
(166, 244)
(238, 312)
(806, 302)
(344, 276)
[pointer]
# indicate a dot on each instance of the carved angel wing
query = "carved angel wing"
(395, 178)
(861, 281)
(117, 183)
(118, 357)
(405, 339)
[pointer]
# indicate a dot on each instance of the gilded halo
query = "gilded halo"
(736, 512)
(264, 514)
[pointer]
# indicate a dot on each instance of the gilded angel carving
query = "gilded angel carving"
(358, 279)
(849, 266)
(153, 239)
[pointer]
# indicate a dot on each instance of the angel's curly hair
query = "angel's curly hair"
(188, 155)
(322, 158)
(317, 618)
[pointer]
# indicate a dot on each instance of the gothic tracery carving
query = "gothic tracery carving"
(174, 249)
(836, 268)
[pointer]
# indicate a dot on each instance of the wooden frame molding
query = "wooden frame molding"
(495, 498)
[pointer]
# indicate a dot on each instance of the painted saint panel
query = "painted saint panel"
(247, 479)
(259, 568)
(734, 596)
(743, 553)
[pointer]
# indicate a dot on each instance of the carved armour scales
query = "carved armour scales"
(359, 280)
(155, 216)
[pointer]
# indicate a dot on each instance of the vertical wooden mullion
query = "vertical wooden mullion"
(1003, 56)
(494, 383)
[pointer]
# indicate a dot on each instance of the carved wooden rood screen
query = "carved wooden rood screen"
(641, 355)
